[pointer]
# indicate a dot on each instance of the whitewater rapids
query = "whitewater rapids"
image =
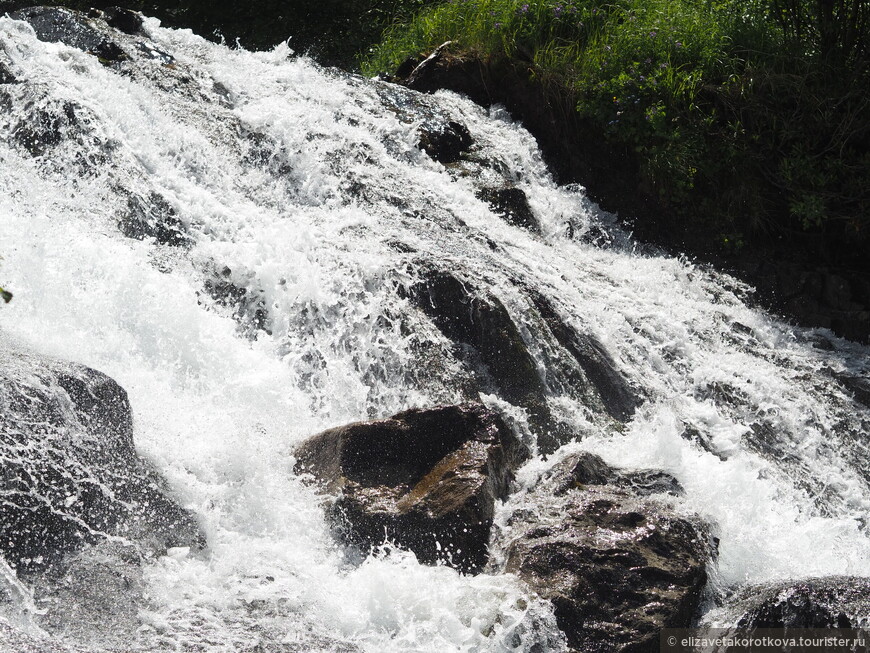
(304, 187)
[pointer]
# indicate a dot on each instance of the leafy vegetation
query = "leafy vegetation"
(748, 117)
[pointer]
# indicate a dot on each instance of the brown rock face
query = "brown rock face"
(617, 566)
(424, 479)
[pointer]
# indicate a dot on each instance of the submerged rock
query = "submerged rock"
(445, 143)
(46, 128)
(248, 307)
(492, 345)
(617, 566)
(427, 480)
(71, 475)
(512, 204)
(6, 76)
(619, 398)
(153, 217)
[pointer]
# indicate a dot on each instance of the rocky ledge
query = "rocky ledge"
(828, 602)
(71, 476)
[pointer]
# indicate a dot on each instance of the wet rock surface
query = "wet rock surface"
(46, 129)
(512, 204)
(445, 143)
(619, 398)
(492, 345)
(617, 565)
(427, 480)
(71, 476)
(807, 280)
(248, 307)
(831, 602)
(94, 596)
(59, 25)
(153, 217)
(6, 76)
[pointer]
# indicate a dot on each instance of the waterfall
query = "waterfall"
(235, 238)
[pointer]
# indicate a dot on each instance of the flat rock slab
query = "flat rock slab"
(426, 480)
(617, 565)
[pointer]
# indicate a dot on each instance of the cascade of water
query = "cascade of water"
(235, 238)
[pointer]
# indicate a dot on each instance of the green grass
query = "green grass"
(748, 117)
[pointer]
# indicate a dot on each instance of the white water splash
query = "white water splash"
(307, 186)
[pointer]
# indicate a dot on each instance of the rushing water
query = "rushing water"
(304, 188)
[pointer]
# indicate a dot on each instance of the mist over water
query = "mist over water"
(304, 188)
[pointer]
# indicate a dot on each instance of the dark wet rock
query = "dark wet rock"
(512, 204)
(153, 217)
(46, 128)
(95, 595)
(859, 386)
(492, 345)
(588, 469)
(619, 398)
(249, 308)
(71, 475)
(6, 76)
(416, 74)
(407, 67)
(445, 143)
(482, 322)
(617, 565)
(60, 25)
(427, 480)
(129, 22)
(109, 52)
(832, 602)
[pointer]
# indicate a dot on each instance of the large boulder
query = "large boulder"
(70, 475)
(427, 480)
(617, 564)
